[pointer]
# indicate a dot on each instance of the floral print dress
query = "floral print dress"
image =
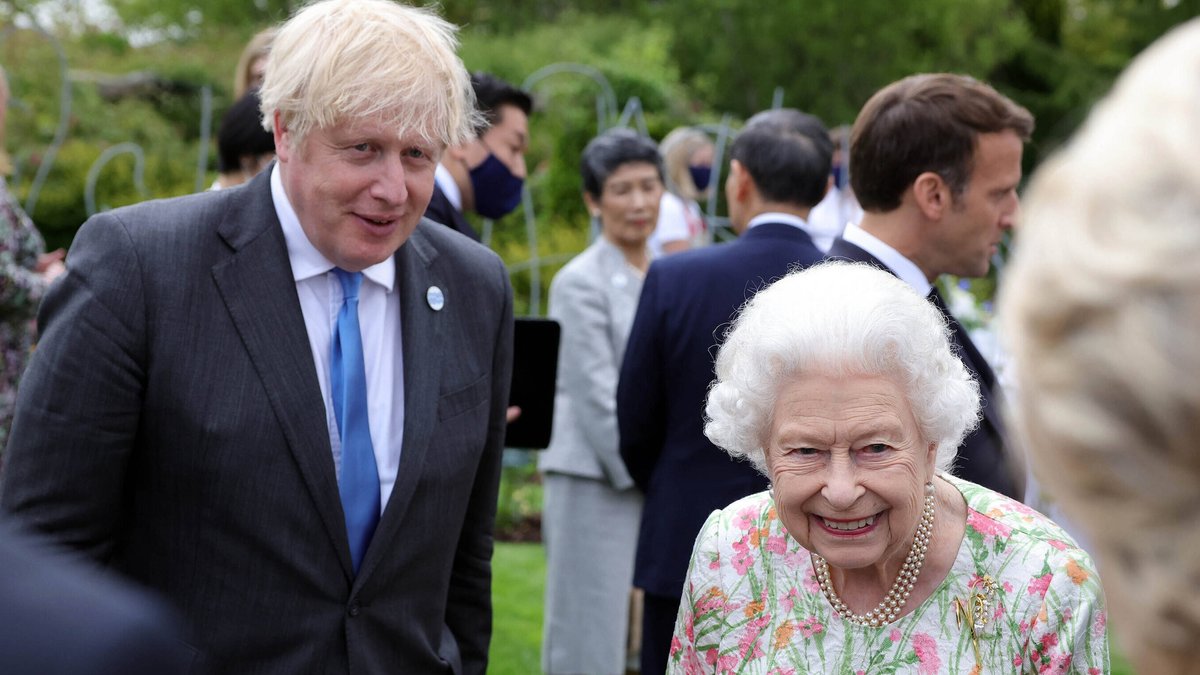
(751, 602)
(21, 288)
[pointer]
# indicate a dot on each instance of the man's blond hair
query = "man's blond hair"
(341, 59)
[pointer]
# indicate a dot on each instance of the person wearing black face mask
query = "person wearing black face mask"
(486, 174)
(687, 156)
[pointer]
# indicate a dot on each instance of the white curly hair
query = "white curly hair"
(838, 318)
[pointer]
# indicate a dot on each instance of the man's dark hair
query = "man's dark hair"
(612, 149)
(927, 122)
(492, 92)
(241, 134)
(787, 153)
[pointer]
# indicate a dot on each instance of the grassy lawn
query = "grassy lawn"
(518, 573)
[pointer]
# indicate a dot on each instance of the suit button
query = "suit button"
(353, 609)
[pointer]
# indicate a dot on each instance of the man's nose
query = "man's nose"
(389, 186)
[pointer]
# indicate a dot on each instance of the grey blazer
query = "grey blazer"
(171, 425)
(593, 297)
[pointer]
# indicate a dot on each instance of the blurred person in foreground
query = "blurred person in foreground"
(282, 406)
(839, 384)
(591, 510)
(26, 270)
(936, 163)
(779, 170)
(64, 617)
(839, 207)
(688, 163)
(1101, 306)
(486, 173)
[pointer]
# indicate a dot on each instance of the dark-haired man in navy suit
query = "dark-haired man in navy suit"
(779, 171)
(936, 160)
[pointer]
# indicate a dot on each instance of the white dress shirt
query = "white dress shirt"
(904, 268)
(449, 186)
(777, 217)
(379, 322)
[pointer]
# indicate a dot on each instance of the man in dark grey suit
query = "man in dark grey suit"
(779, 171)
(935, 163)
(283, 405)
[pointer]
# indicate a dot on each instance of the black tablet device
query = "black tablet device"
(535, 372)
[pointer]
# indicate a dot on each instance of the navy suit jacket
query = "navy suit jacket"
(687, 302)
(440, 210)
(981, 457)
(61, 617)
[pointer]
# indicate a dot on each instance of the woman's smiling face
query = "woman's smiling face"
(849, 465)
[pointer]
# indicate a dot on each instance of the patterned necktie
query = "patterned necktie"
(359, 485)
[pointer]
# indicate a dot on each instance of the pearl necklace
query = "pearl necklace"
(897, 595)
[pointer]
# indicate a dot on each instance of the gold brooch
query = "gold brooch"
(977, 612)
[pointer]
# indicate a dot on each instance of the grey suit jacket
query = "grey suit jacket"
(593, 297)
(171, 425)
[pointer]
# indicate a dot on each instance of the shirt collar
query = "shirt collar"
(778, 217)
(449, 187)
(307, 262)
(904, 268)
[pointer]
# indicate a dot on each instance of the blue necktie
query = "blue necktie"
(359, 486)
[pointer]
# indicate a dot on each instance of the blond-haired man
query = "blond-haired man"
(282, 406)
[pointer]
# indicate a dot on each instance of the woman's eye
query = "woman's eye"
(806, 451)
(876, 448)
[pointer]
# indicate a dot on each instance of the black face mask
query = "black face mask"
(497, 190)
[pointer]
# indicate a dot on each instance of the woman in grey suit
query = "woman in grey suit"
(592, 509)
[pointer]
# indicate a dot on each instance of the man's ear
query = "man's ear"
(592, 207)
(282, 138)
(741, 182)
(932, 195)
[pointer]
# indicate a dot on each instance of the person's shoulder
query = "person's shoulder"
(992, 514)
(436, 239)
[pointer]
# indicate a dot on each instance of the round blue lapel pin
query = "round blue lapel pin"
(435, 298)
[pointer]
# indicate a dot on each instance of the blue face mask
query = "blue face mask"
(497, 190)
(701, 175)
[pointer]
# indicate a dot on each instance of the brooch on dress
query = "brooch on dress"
(977, 611)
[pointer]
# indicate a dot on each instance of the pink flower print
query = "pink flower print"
(1099, 625)
(749, 645)
(810, 627)
(986, 526)
(727, 664)
(1094, 671)
(780, 671)
(795, 558)
(1039, 585)
(676, 645)
(714, 563)
(789, 600)
(810, 580)
(742, 562)
(894, 636)
(1023, 626)
(1017, 661)
(745, 518)
(689, 627)
(1007, 587)
(777, 545)
(1049, 640)
(711, 656)
(1060, 545)
(927, 656)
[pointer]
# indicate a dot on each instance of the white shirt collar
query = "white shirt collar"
(446, 181)
(306, 260)
(904, 268)
(777, 217)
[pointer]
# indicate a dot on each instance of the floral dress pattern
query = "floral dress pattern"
(751, 602)
(21, 288)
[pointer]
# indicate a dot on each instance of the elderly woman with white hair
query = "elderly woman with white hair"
(838, 382)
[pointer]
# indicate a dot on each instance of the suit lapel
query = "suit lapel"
(424, 351)
(259, 292)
